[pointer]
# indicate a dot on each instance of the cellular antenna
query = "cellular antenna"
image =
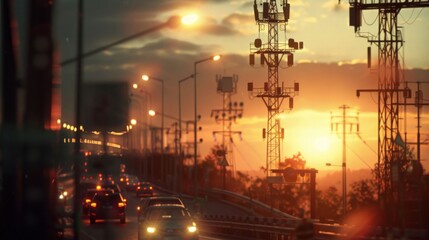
(275, 16)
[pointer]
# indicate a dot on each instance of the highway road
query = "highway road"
(114, 230)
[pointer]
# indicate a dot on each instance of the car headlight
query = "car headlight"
(150, 229)
(192, 229)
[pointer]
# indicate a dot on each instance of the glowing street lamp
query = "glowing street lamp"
(172, 22)
(212, 58)
(147, 78)
(133, 121)
(152, 113)
(189, 19)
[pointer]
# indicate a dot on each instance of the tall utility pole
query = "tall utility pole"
(227, 86)
(389, 41)
(272, 52)
(418, 103)
(344, 120)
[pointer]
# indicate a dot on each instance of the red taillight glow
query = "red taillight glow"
(93, 204)
(138, 188)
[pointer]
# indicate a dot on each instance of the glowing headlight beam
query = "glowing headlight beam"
(150, 229)
(192, 229)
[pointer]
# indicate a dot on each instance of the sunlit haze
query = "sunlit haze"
(330, 68)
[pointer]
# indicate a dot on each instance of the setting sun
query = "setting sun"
(322, 143)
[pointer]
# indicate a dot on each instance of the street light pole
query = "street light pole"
(214, 58)
(147, 78)
(173, 21)
(180, 133)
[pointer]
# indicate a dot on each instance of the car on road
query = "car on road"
(144, 189)
(107, 206)
(168, 221)
(160, 200)
(89, 195)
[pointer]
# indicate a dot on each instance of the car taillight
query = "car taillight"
(93, 204)
(87, 200)
(138, 208)
(121, 204)
(138, 188)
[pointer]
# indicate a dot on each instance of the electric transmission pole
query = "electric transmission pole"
(344, 120)
(227, 86)
(271, 53)
(389, 41)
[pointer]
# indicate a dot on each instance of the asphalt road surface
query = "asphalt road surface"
(114, 230)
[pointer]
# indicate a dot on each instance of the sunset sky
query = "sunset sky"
(330, 68)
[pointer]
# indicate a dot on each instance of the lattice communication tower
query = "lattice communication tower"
(389, 41)
(273, 18)
(227, 116)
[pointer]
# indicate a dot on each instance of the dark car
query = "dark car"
(144, 189)
(167, 222)
(89, 195)
(161, 200)
(107, 206)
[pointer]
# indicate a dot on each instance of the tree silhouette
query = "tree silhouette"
(328, 203)
(363, 194)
